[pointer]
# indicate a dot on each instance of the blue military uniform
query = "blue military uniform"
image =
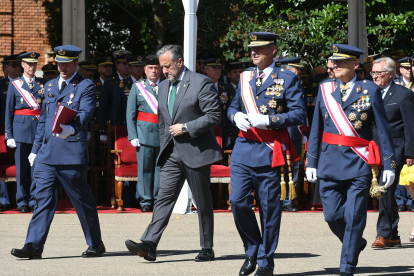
(147, 133)
(99, 84)
(64, 161)
(251, 160)
(345, 177)
(22, 128)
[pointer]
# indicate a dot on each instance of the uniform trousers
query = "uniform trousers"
(73, 180)
(26, 186)
(388, 218)
(173, 174)
(147, 168)
(345, 209)
(265, 181)
(4, 193)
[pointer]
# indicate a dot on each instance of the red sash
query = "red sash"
(27, 112)
(374, 157)
(147, 117)
(278, 138)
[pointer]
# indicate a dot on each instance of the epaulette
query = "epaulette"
(368, 82)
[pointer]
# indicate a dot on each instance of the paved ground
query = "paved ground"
(306, 247)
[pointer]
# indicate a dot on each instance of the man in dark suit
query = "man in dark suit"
(62, 159)
(188, 111)
(399, 108)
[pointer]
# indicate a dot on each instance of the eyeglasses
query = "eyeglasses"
(330, 68)
(377, 73)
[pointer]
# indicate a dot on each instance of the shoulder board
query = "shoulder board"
(370, 83)
(328, 80)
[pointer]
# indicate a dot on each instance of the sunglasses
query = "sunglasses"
(15, 65)
(330, 68)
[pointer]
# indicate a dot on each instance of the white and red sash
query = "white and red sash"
(149, 98)
(339, 118)
(27, 96)
(248, 98)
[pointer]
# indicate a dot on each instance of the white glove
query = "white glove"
(259, 120)
(135, 143)
(241, 121)
(11, 143)
(66, 131)
(103, 138)
(32, 157)
(311, 174)
(388, 177)
(88, 135)
(305, 139)
(228, 141)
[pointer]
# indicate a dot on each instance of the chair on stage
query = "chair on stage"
(7, 164)
(126, 166)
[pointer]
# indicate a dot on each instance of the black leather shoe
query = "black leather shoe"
(248, 267)
(361, 248)
(344, 274)
(289, 208)
(32, 208)
(262, 271)
(146, 208)
(96, 251)
(401, 208)
(205, 255)
(23, 209)
(146, 250)
(28, 251)
(410, 208)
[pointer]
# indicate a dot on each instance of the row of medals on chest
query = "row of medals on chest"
(273, 90)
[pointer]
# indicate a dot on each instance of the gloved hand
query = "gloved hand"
(311, 174)
(11, 143)
(32, 157)
(88, 135)
(388, 178)
(66, 131)
(103, 138)
(228, 141)
(305, 139)
(241, 121)
(135, 143)
(258, 120)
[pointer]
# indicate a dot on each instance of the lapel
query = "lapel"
(354, 95)
(390, 93)
(163, 91)
(269, 81)
(185, 83)
(337, 93)
(25, 86)
(54, 89)
(70, 88)
(252, 82)
(36, 87)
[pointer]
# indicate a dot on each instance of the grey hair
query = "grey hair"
(389, 65)
(176, 52)
(287, 67)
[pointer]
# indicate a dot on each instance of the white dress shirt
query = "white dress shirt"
(350, 84)
(67, 81)
(28, 80)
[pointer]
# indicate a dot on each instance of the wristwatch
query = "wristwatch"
(184, 128)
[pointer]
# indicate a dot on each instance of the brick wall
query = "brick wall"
(29, 30)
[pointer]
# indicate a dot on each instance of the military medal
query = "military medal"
(121, 84)
(50, 95)
(50, 85)
(223, 98)
(21, 100)
(367, 101)
(326, 116)
(365, 92)
(336, 85)
(363, 101)
(357, 125)
(263, 109)
(279, 109)
(352, 116)
(359, 89)
(39, 100)
(31, 85)
(364, 116)
(267, 91)
(272, 104)
(71, 96)
(258, 81)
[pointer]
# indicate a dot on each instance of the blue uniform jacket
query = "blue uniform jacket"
(342, 163)
(22, 128)
(290, 111)
(73, 150)
(4, 84)
(146, 132)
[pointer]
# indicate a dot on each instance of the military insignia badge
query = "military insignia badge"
(21, 100)
(358, 125)
(359, 89)
(223, 98)
(75, 83)
(32, 55)
(274, 76)
(50, 85)
(50, 95)
(352, 116)
(7, 82)
(393, 164)
(39, 100)
(336, 85)
(272, 103)
(335, 49)
(71, 96)
(257, 97)
(365, 92)
(61, 52)
(326, 116)
(263, 109)
(121, 53)
(121, 84)
(279, 109)
(108, 59)
(253, 37)
(364, 116)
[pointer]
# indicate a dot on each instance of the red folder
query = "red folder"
(65, 116)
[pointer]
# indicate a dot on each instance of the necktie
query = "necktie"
(62, 87)
(31, 85)
(171, 100)
(344, 87)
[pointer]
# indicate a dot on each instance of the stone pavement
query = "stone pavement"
(306, 247)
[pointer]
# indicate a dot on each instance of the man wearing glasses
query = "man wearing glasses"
(330, 67)
(399, 108)
(346, 109)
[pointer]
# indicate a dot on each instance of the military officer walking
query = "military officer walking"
(268, 100)
(346, 109)
(63, 158)
(24, 101)
(143, 131)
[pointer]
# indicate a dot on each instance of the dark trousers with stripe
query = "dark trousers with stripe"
(26, 186)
